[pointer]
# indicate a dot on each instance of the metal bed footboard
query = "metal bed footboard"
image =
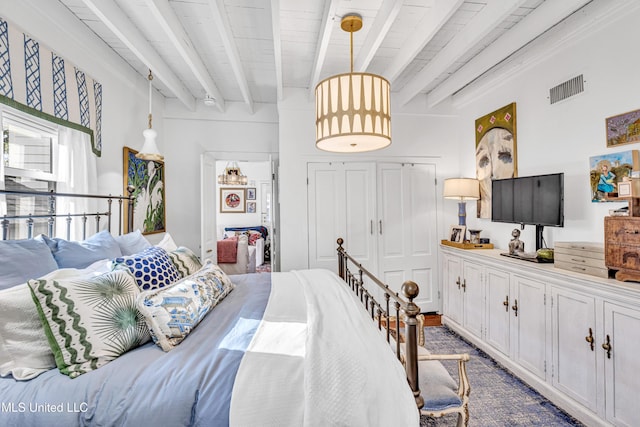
(393, 301)
(52, 215)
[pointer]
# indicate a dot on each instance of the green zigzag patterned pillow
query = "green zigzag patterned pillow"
(185, 261)
(90, 321)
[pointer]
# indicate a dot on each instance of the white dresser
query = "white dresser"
(573, 337)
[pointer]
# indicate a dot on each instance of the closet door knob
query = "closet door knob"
(607, 347)
(515, 308)
(506, 303)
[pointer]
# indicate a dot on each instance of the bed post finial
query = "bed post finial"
(130, 190)
(411, 290)
(341, 264)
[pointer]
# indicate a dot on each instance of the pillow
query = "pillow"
(185, 261)
(68, 254)
(23, 260)
(167, 243)
(132, 243)
(89, 321)
(152, 268)
(172, 313)
(24, 349)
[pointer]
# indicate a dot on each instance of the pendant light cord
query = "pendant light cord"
(150, 77)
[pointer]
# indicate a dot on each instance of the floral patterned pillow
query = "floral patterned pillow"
(89, 321)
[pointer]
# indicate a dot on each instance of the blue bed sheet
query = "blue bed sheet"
(188, 386)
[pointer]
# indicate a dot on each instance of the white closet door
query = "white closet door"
(407, 229)
(341, 204)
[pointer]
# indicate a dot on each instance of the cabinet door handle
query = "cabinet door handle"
(589, 339)
(458, 282)
(515, 307)
(380, 224)
(506, 303)
(464, 285)
(372, 227)
(607, 347)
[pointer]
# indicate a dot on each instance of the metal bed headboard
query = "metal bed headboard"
(52, 215)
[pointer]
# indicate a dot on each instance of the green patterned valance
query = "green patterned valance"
(38, 81)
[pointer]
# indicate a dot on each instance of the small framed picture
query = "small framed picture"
(251, 207)
(232, 200)
(456, 233)
(251, 193)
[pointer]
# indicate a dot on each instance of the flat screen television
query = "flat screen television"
(535, 200)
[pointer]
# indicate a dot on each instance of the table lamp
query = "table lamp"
(461, 189)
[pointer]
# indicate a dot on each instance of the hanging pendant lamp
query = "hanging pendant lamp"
(353, 110)
(149, 149)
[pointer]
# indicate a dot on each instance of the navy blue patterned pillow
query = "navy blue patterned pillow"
(152, 268)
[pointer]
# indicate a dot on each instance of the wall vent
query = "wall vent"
(567, 89)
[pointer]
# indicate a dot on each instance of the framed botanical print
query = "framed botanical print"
(251, 207)
(232, 200)
(147, 179)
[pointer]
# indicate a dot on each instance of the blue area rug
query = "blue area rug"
(497, 397)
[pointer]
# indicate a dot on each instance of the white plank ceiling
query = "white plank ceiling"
(248, 50)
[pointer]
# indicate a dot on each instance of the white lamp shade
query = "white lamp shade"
(353, 113)
(149, 149)
(461, 189)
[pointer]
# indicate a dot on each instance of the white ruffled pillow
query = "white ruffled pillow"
(24, 349)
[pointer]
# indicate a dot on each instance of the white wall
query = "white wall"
(237, 133)
(560, 137)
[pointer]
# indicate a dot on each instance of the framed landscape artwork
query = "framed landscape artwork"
(147, 179)
(496, 152)
(232, 200)
(623, 129)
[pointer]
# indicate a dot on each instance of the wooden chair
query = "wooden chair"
(442, 394)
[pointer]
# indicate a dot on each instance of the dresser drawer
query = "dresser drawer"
(622, 230)
(623, 256)
(582, 268)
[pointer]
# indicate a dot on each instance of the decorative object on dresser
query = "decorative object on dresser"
(622, 246)
(582, 257)
(461, 189)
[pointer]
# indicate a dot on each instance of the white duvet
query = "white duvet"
(317, 361)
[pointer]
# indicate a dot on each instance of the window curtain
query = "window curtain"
(77, 173)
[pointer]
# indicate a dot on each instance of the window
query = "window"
(29, 148)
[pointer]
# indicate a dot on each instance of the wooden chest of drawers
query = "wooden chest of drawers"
(622, 246)
(581, 257)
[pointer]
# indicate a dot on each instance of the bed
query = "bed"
(280, 349)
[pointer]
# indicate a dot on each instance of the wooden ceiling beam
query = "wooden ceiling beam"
(385, 17)
(224, 28)
(277, 45)
(170, 24)
(326, 29)
(492, 15)
(434, 20)
(117, 21)
(537, 22)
